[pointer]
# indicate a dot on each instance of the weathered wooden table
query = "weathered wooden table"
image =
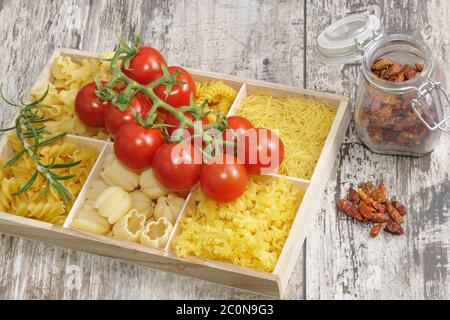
(267, 40)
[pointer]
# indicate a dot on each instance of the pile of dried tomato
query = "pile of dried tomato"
(388, 117)
(388, 69)
(369, 203)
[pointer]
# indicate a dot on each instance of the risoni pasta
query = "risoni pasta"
(249, 232)
(33, 203)
(69, 76)
(303, 126)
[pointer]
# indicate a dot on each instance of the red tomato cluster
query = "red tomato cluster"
(181, 166)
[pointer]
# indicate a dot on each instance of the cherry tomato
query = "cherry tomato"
(177, 166)
(223, 179)
(261, 150)
(90, 108)
(173, 121)
(180, 94)
(239, 124)
(136, 145)
(145, 65)
(114, 118)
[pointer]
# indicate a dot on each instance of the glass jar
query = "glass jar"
(401, 118)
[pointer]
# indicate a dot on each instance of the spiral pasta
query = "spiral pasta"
(219, 96)
(33, 203)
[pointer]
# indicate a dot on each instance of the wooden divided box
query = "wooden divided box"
(270, 284)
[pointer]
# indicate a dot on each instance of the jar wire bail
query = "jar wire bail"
(423, 91)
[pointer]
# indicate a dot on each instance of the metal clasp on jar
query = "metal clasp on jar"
(423, 91)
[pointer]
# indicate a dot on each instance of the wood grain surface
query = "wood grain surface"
(267, 40)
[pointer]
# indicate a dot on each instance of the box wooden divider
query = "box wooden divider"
(271, 284)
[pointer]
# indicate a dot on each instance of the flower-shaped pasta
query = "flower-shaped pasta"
(129, 226)
(151, 186)
(117, 174)
(156, 233)
(142, 203)
(113, 203)
(90, 220)
(169, 207)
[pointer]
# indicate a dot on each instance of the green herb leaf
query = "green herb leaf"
(27, 185)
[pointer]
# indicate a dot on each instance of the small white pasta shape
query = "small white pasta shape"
(129, 227)
(169, 207)
(91, 221)
(142, 203)
(117, 174)
(96, 189)
(113, 203)
(151, 186)
(110, 158)
(156, 233)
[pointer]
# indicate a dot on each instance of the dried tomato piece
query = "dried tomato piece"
(366, 211)
(399, 206)
(379, 194)
(371, 202)
(419, 67)
(375, 230)
(394, 213)
(394, 228)
(381, 64)
(409, 72)
(380, 218)
(350, 209)
(367, 187)
(353, 196)
(393, 70)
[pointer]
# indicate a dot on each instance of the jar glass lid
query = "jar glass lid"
(337, 43)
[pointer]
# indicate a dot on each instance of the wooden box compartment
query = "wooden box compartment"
(271, 284)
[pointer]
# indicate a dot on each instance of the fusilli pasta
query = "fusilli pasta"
(33, 203)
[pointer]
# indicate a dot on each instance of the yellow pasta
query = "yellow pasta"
(33, 203)
(303, 126)
(69, 76)
(249, 232)
(219, 96)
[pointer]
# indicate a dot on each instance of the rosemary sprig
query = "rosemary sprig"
(31, 130)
